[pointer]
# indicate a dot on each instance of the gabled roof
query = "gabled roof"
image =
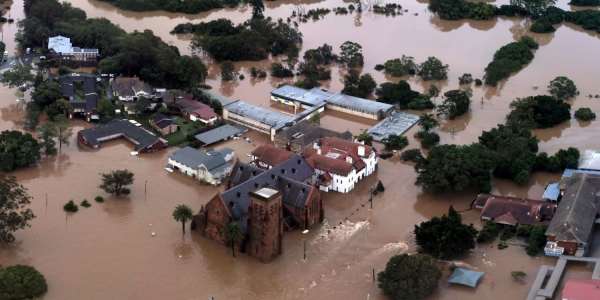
(89, 101)
(327, 164)
(129, 86)
(288, 178)
(513, 211)
(139, 136)
(305, 133)
(218, 134)
(194, 158)
(577, 211)
(271, 155)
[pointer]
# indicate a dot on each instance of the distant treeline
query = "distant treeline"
(543, 13)
(187, 6)
(139, 54)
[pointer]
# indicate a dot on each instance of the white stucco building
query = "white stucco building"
(206, 166)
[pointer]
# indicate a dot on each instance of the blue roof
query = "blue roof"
(465, 277)
(552, 191)
(311, 97)
(569, 172)
(395, 124)
(260, 114)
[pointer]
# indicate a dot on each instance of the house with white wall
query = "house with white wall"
(211, 166)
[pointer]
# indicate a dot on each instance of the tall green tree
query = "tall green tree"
(428, 122)
(15, 213)
(562, 88)
(409, 277)
(233, 235)
(18, 76)
(445, 237)
(433, 69)
(17, 150)
(47, 133)
(358, 85)
(258, 7)
(116, 182)
(182, 213)
(63, 131)
(535, 8)
(351, 54)
(21, 282)
(456, 104)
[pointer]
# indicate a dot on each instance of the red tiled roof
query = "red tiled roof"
(205, 112)
(330, 165)
(581, 289)
(271, 155)
(512, 211)
(345, 145)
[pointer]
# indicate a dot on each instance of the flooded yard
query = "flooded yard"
(107, 251)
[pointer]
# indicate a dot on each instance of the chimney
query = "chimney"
(349, 159)
(361, 150)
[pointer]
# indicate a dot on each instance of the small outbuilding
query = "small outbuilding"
(465, 277)
(218, 134)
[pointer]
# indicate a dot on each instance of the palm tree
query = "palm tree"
(233, 234)
(182, 213)
(428, 122)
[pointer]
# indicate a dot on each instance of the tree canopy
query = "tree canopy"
(21, 282)
(17, 150)
(358, 85)
(182, 214)
(188, 6)
(456, 104)
(539, 112)
(351, 54)
(508, 59)
(409, 277)
(562, 88)
(15, 213)
(116, 181)
(433, 69)
(445, 237)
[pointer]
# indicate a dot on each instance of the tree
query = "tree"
(60, 108)
(585, 114)
(562, 88)
(433, 69)
(15, 213)
(228, 70)
(233, 235)
(397, 93)
(445, 237)
(47, 133)
(456, 104)
(428, 138)
(535, 8)
(351, 54)
(400, 66)
(63, 131)
(18, 76)
(538, 112)
(280, 71)
(358, 85)
(510, 58)
(395, 142)
(258, 7)
(182, 213)
(453, 168)
(116, 181)
(365, 138)
(428, 122)
(409, 277)
(413, 155)
(21, 282)
(536, 240)
(106, 108)
(17, 150)
(46, 93)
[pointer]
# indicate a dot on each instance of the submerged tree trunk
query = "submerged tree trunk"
(183, 226)
(233, 249)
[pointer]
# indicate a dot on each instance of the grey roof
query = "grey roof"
(212, 160)
(129, 86)
(359, 104)
(141, 137)
(287, 177)
(218, 134)
(271, 118)
(305, 133)
(577, 211)
(309, 97)
(90, 96)
(395, 124)
(224, 100)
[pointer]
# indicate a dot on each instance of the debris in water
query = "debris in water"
(153, 233)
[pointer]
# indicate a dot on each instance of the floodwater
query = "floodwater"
(107, 251)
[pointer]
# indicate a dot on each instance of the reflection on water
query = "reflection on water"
(111, 245)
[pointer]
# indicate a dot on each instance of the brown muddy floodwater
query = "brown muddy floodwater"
(107, 251)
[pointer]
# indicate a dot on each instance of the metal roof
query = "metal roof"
(465, 277)
(311, 97)
(139, 136)
(194, 158)
(271, 118)
(552, 191)
(218, 134)
(359, 104)
(395, 124)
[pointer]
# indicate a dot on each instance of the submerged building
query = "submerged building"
(210, 166)
(142, 139)
(81, 90)
(301, 98)
(263, 204)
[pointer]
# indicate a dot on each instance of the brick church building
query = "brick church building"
(264, 203)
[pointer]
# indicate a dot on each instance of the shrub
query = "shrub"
(465, 79)
(99, 199)
(70, 207)
(585, 114)
(279, 71)
(400, 66)
(409, 277)
(85, 203)
(428, 139)
(380, 188)
(542, 25)
(518, 276)
(21, 282)
(488, 233)
(502, 245)
(413, 155)
(420, 103)
(395, 142)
